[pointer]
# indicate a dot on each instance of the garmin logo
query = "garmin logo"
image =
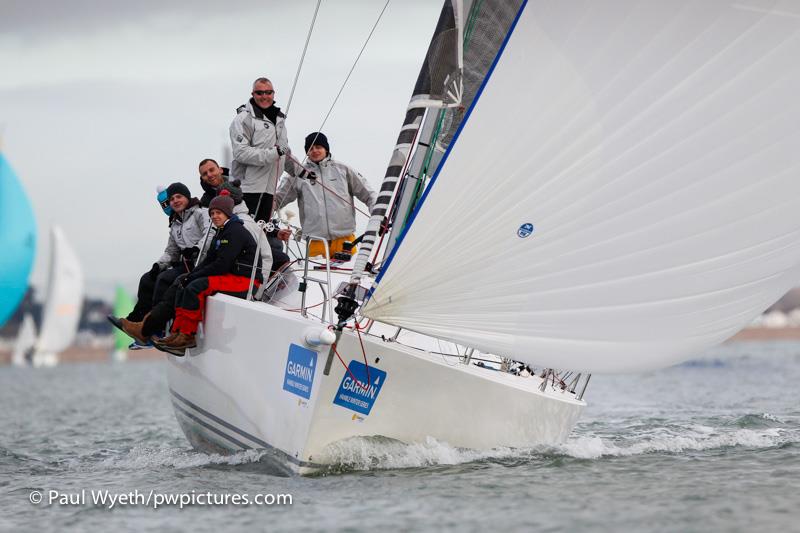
(525, 230)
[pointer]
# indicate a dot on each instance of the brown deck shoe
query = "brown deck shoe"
(134, 329)
(181, 342)
(164, 340)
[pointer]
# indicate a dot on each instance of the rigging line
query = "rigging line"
(302, 57)
(341, 89)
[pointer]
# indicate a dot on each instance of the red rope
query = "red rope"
(366, 363)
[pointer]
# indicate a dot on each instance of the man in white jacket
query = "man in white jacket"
(259, 142)
(326, 201)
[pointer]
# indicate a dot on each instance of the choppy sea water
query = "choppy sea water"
(712, 445)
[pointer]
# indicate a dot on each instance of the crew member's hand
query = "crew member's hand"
(285, 234)
(155, 271)
(189, 253)
(283, 149)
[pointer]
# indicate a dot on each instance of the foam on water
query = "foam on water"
(178, 458)
(377, 453)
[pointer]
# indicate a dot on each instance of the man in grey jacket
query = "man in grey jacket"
(259, 142)
(326, 201)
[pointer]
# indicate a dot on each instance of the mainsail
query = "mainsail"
(62, 308)
(622, 193)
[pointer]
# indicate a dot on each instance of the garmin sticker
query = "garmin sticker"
(300, 367)
(356, 394)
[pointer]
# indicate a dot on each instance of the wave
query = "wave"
(178, 458)
(379, 453)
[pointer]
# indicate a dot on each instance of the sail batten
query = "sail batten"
(623, 194)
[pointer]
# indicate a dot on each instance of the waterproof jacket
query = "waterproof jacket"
(255, 157)
(186, 230)
(323, 213)
(240, 210)
(232, 251)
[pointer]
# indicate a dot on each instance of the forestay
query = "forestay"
(623, 193)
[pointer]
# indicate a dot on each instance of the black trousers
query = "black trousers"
(164, 310)
(264, 208)
(165, 279)
(144, 298)
(151, 291)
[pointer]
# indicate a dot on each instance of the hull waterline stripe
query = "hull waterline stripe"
(241, 432)
(208, 426)
(421, 202)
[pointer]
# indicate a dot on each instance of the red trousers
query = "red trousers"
(191, 301)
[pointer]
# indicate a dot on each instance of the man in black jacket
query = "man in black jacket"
(226, 268)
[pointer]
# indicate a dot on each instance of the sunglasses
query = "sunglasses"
(262, 93)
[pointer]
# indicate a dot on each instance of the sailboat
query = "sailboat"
(24, 343)
(123, 305)
(62, 306)
(577, 187)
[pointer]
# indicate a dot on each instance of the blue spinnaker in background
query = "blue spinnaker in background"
(17, 240)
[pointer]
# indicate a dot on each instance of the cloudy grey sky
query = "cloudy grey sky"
(102, 101)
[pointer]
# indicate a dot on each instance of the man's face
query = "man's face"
(263, 94)
(211, 174)
(317, 153)
(218, 218)
(178, 202)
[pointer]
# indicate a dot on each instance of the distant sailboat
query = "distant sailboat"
(123, 304)
(26, 339)
(62, 307)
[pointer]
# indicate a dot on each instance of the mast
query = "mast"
(439, 85)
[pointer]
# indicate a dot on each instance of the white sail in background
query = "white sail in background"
(62, 307)
(26, 339)
(624, 193)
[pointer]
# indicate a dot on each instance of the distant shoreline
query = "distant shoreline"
(766, 334)
(82, 354)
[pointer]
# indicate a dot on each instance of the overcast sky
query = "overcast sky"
(102, 101)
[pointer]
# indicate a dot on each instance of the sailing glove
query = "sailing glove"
(155, 271)
(282, 149)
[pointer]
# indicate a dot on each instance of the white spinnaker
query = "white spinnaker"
(62, 308)
(655, 148)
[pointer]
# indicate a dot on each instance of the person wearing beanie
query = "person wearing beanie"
(226, 267)
(325, 200)
(188, 225)
(319, 139)
(259, 143)
(164, 310)
(223, 202)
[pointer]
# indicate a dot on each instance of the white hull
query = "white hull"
(229, 393)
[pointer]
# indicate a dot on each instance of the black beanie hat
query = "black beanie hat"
(178, 188)
(319, 139)
(223, 202)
